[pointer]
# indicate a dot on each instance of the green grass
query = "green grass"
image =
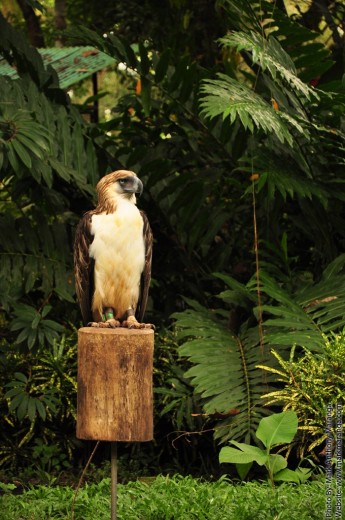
(171, 498)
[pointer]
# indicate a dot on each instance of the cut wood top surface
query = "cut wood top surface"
(120, 331)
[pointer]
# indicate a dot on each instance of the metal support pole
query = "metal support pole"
(113, 462)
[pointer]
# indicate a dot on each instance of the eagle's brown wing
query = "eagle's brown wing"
(83, 266)
(146, 274)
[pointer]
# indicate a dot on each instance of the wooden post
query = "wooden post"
(113, 463)
(115, 389)
(115, 384)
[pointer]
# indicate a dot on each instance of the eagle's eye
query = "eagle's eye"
(123, 182)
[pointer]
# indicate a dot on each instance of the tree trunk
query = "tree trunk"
(33, 25)
(60, 21)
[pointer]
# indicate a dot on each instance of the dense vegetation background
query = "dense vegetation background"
(232, 114)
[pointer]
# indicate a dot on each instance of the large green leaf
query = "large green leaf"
(276, 463)
(243, 454)
(277, 429)
(287, 475)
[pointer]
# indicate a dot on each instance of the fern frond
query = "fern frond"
(33, 259)
(224, 369)
(311, 59)
(245, 14)
(227, 97)
(280, 178)
(270, 55)
(304, 318)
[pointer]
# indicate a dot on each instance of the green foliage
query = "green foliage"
(310, 311)
(47, 165)
(47, 162)
(311, 382)
(49, 458)
(265, 18)
(272, 431)
(21, 134)
(36, 236)
(177, 398)
(227, 97)
(299, 303)
(175, 404)
(269, 54)
(39, 405)
(272, 71)
(23, 401)
(34, 327)
(226, 367)
(7, 488)
(170, 498)
(204, 161)
(277, 429)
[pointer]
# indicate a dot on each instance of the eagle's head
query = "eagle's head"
(118, 185)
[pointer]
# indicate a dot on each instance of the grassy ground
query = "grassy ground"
(171, 498)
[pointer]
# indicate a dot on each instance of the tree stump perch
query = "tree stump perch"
(115, 400)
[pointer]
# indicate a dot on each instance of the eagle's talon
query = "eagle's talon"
(131, 324)
(150, 326)
(93, 324)
(109, 324)
(113, 324)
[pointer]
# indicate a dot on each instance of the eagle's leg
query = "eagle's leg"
(108, 320)
(131, 322)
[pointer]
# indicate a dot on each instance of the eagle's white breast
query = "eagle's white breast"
(118, 249)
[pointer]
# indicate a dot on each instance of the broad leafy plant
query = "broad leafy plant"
(34, 327)
(273, 431)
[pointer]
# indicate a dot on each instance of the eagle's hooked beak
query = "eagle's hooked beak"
(136, 186)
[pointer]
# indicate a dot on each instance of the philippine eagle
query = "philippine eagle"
(112, 255)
